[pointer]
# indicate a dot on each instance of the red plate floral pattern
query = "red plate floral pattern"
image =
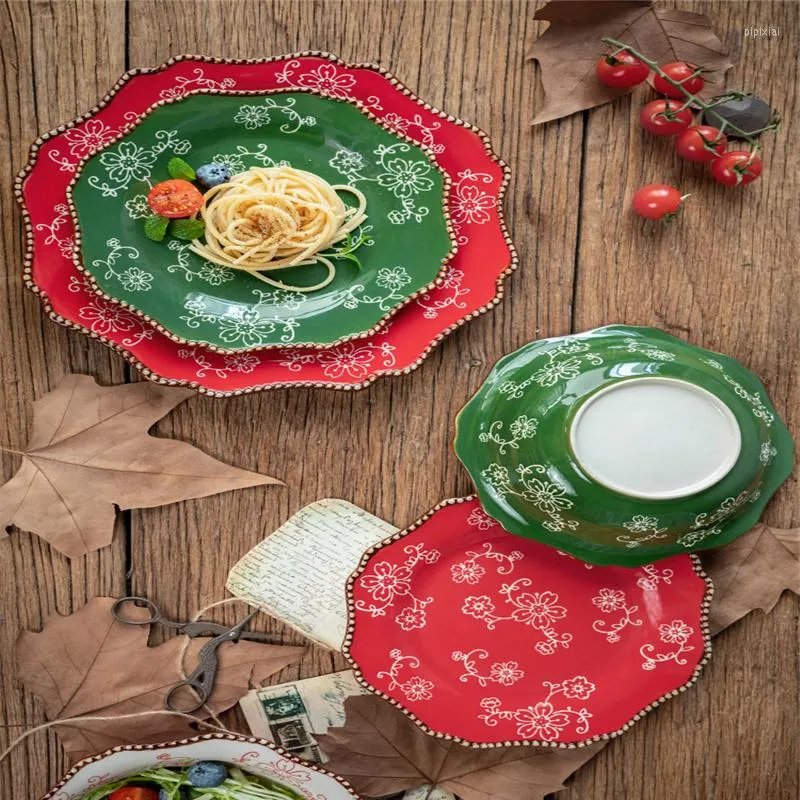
(491, 639)
(472, 285)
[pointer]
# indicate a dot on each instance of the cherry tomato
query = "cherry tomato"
(736, 167)
(687, 75)
(701, 143)
(665, 117)
(621, 70)
(175, 199)
(657, 201)
(133, 793)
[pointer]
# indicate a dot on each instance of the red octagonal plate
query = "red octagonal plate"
(490, 639)
(472, 285)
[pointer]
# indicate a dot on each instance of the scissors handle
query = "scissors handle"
(117, 611)
(171, 699)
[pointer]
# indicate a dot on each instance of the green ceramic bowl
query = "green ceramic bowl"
(407, 238)
(623, 445)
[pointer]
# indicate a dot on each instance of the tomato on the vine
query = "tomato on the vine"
(688, 75)
(665, 117)
(133, 793)
(621, 70)
(701, 143)
(657, 201)
(736, 167)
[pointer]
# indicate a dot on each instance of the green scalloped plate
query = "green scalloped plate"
(514, 438)
(408, 240)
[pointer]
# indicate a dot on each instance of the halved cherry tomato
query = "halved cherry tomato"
(665, 117)
(621, 70)
(689, 76)
(175, 199)
(701, 143)
(736, 167)
(133, 793)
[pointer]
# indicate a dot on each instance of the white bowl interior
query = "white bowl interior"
(253, 757)
(655, 438)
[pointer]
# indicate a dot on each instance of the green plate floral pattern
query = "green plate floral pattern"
(513, 438)
(405, 243)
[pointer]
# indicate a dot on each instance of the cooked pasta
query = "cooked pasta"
(271, 218)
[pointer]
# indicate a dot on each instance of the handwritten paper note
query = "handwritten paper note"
(300, 572)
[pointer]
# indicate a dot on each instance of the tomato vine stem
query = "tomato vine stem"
(693, 101)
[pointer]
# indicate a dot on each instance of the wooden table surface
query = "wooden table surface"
(724, 277)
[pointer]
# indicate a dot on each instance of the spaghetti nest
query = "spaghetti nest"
(271, 218)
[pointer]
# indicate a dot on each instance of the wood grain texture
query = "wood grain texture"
(724, 277)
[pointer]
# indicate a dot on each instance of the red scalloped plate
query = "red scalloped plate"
(492, 640)
(472, 285)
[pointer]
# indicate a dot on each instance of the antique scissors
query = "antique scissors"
(201, 680)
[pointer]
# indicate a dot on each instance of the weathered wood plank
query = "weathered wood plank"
(57, 59)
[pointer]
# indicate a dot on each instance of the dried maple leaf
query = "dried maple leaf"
(752, 572)
(380, 751)
(88, 664)
(90, 449)
(569, 49)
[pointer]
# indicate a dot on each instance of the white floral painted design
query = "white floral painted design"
(392, 279)
(471, 571)
(232, 362)
(547, 495)
(479, 519)
(612, 601)
(644, 527)
(137, 207)
(65, 244)
(386, 582)
(707, 524)
(236, 161)
(543, 720)
(468, 203)
(677, 633)
(651, 576)
(767, 452)
(539, 610)
(655, 353)
(434, 303)
(757, 405)
(327, 79)
(104, 318)
(563, 362)
(84, 140)
(399, 168)
(198, 80)
(348, 359)
(248, 326)
(523, 427)
(257, 115)
(133, 278)
(207, 271)
(506, 673)
(416, 129)
(128, 161)
(415, 688)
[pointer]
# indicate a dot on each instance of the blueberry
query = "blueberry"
(213, 174)
(207, 774)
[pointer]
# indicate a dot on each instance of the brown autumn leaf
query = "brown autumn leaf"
(569, 49)
(380, 751)
(88, 664)
(752, 572)
(90, 450)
